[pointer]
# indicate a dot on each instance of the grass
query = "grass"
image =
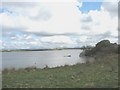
(102, 73)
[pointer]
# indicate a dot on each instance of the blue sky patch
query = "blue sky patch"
(87, 6)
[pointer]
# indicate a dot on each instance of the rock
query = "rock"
(68, 56)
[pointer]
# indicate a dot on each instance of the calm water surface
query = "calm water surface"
(41, 58)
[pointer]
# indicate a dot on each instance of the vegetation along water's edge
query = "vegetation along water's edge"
(100, 70)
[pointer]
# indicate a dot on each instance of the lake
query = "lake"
(40, 59)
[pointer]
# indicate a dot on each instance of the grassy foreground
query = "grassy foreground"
(103, 73)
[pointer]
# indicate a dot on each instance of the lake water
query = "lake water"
(41, 58)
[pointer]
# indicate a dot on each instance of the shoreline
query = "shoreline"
(35, 68)
(41, 50)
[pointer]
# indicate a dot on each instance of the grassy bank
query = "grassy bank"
(103, 72)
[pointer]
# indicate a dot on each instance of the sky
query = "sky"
(57, 24)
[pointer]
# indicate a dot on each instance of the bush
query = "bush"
(103, 47)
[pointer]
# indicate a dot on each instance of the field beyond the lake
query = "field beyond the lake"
(103, 72)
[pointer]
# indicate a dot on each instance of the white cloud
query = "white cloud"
(65, 18)
(50, 1)
(102, 22)
(58, 39)
(60, 18)
(111, 7)
(6, 20)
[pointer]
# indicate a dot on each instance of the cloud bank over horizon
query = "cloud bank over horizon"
(34, 25)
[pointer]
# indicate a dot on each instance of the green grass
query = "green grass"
(102, 73)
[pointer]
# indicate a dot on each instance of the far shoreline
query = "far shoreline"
(26, 50)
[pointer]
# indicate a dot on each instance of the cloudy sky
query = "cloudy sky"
(57, 24)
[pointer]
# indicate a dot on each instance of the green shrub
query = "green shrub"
(102, 47)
